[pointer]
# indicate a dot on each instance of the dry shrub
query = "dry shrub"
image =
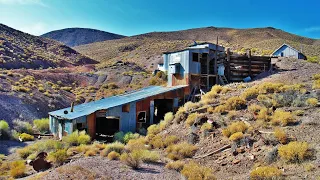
(99, 146)
(233, 103)
(295, 151)
(24, 152)
(206, 127)
(115, 146)
(139, 143)
(113, 155)
(236, 136)
(17, 169)
(234, 127)
(157, 142)
(195, 171)
(42, 125)
(148, 156)
(58, 157)
(76, 138)
(267, 100)
(91, 152)
(269, 87)
(254, 108)
(316, 76)
(191, 119)
(282, 118)
(312, 101)
(175, 165)
(26, 137)
(181, 151)
(281, 135)
(266, 172)
(316, 84)
(169, 140)
(263, 114)
(298, 112)
(131, 159)
(232, 115)
(250, 93)
(168, 117)
(153, 129)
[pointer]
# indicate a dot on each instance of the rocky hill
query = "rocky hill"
(80, 36)
(22, 50)
(146, 49)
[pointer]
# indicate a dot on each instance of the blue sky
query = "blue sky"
(131, 17)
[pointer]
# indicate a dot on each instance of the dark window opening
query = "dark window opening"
(106, 127)
(126, 108)
(195, 57)
(142, 117)
(161, 107)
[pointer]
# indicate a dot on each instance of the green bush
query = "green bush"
(129, 135)
(26, 137)
(58, 157)
(76, 138)
(4, 130)
(118, 136)
(22, 126)
(41, 125)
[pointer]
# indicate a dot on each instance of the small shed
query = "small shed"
(126, 112)
(287, 51)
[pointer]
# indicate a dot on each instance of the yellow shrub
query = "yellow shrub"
(263, 114)
(280, 135)
(267, 100)
(113, 155)
(316, 84)
(312, 101)
(254, 108)
(236, 136)
(153, 129)
(139, 143)
(26, 137)
(91, 152)
(131, 159)
(233, 103)
(206, 126)
(250, 93)
(181, 150)
(295, 151)
(24, 152)
(169, 140)
(191, 119)
(195, 171)
(316, 76)
(157, 142)
(232, 115)
(42, 124)
(265, 172)
(17, 169)
(58, 157)
(76, 138)
(282, 118)
(268, 87)
(175, 165)
(163, 125)
(168, 117)
(148, 156)
(115, 146)
(298, 112)
(238, 126)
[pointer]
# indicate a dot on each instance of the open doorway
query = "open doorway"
(107, 126)
(161, 107)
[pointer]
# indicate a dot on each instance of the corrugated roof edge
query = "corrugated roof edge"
(113, 101)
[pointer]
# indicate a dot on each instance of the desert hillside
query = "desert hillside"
(22, 50)
(146, 49)
(80, 36)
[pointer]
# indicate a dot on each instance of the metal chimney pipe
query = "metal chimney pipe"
(72, 106)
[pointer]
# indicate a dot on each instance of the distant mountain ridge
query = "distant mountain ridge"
(22, 50)
(80, 36)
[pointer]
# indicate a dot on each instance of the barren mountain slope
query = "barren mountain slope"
(22, 50)
(80, 36)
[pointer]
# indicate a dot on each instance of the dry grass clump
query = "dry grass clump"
(263, 114)
(139, 143)
(181, 151)
(153, 129)
(236, 136)
(267, 100)
(210, 96)
(316, 84)
(265, 172)
(195, 171)
(157, 142)
(91, 152)
(169, 140)
(250, 93)
(40, 146)
(232, 114)
(206, 127)
(148, 156)
(16, 169)
(234, 127)
(312, 101)
(58, 157)
(132, 159)
(233, 103)
(295, 151)
(298, 112)
(115, 146)
(316, 76)
(191, 119)
(113, 155)
(282, 118)
(175, 165)
(26, 137)
(254, 108)
(281, 135)
(77, 138)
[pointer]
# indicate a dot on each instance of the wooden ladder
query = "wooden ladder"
(223, 79)
(192, 94)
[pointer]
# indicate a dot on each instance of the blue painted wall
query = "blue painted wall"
(127, 119)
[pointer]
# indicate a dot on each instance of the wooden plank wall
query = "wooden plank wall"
(240, 67)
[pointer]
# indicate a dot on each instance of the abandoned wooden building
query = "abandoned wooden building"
(127, 112)
(190, 73)
(287, 51)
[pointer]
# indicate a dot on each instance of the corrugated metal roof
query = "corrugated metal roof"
(113, 101)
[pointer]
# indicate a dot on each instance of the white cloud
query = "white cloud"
(35, 29)
(23, 2)
(313, 29)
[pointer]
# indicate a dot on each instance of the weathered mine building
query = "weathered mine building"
(190, 72)
(287, 51)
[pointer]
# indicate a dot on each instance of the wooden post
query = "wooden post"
(215, 62)
(208, 69)
(249, 57)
